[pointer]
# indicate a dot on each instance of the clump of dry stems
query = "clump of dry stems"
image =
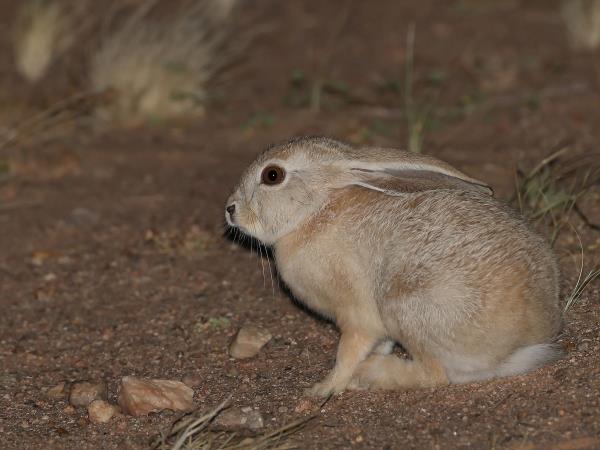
(192, 432)
(45, 30)
(549, 195)
(160, 68)
(140, 64)
(582, 20)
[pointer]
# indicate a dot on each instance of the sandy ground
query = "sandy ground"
(113, 260)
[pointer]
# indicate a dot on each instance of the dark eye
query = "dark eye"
(273, 175)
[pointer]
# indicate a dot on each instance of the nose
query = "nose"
(230, 209)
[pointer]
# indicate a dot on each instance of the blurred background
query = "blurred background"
(125, 124)
(496, 87)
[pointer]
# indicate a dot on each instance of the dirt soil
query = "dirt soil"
(113, 259)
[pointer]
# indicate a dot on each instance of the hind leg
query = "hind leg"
(390, 372)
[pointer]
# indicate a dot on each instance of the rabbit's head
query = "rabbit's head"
(289, 183)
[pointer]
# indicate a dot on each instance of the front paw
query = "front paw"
(324, 389)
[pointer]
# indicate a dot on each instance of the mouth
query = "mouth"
(233, 225)
(233, 214)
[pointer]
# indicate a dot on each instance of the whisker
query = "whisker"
(270, 273)
(262, 265)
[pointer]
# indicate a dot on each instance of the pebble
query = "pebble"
(83, 393)
(100, 411)
(233, 372)
(38, 258)
(583, 346)
(84, 216)
(8, 380)
(303, 406)
(192, 380)
(49, 277)
(142, 396)
(245, 418)
(57, 392)
(248, 342)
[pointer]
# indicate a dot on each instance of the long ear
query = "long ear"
(404, 176)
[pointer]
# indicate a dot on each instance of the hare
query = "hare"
(397, 247)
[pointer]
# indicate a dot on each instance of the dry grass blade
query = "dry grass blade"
(316, 94)
(191, 433)
(582, 282)
(549, 193)
(38, 126)
(417, 113)
(575, 295)
(186, 430)
(9, 207)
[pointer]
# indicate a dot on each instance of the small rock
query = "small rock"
(49, 277)
(100, 411)
(560, 374)
(239, 419)
(69, 410)
(38, 258)
(192, 380)
(303, 406)
(84, 216)
(140, 397)
(82, 422)
(232, 373)
(282, 409)
(65, 260)
(583, 346)
(85, 392)
(57, 392)
(8, 380)
(61, 431)
(248, 342)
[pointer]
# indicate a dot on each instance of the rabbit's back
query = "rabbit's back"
(459, 271)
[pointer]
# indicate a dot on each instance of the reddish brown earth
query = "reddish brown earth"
(113, 260)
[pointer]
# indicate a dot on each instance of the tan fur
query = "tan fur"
(443, 268)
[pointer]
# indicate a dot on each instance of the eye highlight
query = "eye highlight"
(273, 175)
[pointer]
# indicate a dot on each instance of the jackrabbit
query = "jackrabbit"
(397, 247)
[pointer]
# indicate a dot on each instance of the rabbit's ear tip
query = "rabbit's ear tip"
(485, 188)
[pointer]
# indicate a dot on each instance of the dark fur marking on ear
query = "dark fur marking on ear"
(415, 180)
